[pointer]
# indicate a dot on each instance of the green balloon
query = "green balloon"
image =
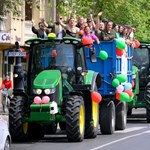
(121, 77)
(103, 55)
(120, 43)
(124, 97)
(115, 82)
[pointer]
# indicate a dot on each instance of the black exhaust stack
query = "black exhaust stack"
(18, 73)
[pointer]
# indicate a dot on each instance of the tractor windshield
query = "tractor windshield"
(141, 57)
(55, 55)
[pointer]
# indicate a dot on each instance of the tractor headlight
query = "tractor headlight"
(49, 91)
(37, 91)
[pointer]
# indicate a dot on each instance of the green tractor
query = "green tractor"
(141, 79)
(56, 90)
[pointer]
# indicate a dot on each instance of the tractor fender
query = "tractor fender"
(92, 78)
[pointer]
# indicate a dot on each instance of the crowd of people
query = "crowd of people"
(98, 30)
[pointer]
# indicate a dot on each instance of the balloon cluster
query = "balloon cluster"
(120, 46)
(123, 91)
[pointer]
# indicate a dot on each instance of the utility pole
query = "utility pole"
(54, 11)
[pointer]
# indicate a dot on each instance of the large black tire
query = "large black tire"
(91, 126)
(129, 112)
(107, 117)
(121, 115)
(75, 119)
(62, 125)
(17, 126)
(51, 128)
(147, 96)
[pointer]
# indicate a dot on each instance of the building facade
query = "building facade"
(14, 29)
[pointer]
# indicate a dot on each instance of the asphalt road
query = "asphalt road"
(135, 137)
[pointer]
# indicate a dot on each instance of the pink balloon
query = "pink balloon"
(45, 99)
(37, 100)
(120, 88)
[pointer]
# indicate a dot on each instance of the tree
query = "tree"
(122, 12)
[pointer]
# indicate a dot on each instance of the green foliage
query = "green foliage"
(7, 6)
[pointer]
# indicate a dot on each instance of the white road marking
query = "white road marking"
(116, 141)
(131, 129)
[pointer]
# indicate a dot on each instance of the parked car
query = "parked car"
(5, 139)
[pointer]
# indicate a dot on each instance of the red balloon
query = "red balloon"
(118, 96)
(96, 97)
(133, 84)
(137, 43)
(129, 92)
(87, 41)
(119, 52)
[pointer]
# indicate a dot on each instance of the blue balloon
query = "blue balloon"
(128, 86)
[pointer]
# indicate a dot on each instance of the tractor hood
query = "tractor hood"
(47, 79)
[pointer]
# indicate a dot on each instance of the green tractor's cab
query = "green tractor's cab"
(141, 73)
(59, 90)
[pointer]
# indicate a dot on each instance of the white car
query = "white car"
(5, 139)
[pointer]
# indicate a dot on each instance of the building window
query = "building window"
(28, 10)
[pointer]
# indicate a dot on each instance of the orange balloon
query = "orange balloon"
(118, 96)
(96, 97)
(81, 32)
(119, 52)
(129, 92)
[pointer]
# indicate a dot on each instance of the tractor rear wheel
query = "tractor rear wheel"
(148, 102)
(91, 127)
(17, 126)
(75, 119)
(121, 115)
(107, 117)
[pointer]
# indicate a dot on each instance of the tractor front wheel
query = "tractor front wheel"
(17, 126)
(75, 119)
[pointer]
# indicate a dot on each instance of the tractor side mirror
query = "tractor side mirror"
(92, 52)
(10, 58)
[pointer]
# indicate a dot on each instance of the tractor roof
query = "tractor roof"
(67, 40)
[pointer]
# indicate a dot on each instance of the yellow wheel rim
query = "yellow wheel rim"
(81, 121)
(95, 113)
(25, 127)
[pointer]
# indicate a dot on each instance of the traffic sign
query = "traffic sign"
(16, 54)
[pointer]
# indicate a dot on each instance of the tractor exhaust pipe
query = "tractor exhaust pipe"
(18, 73)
